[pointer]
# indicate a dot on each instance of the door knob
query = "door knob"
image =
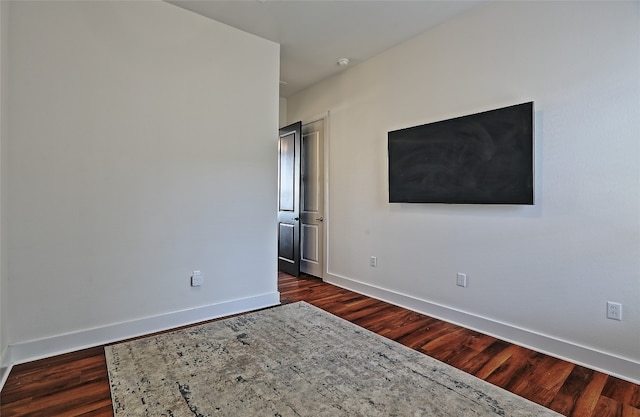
(320, 219)
(296, 218)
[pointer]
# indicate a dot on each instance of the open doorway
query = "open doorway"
(302, 219)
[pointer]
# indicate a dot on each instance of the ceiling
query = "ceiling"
(315, 34)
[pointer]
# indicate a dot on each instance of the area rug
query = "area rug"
(294, 360)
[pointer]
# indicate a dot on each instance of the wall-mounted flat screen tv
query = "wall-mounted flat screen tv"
(483, 158)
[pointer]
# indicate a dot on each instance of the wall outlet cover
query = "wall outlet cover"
(461, 280)
(614, 310)
(196, 279)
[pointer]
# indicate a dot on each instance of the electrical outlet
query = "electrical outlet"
(196, 279)
(461, 280)
(373, 261)
(614, 311)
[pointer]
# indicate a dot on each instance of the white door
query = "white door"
(312, 199)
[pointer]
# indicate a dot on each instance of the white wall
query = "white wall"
(282, 119)
(141, 147)
(4, 20)
(539, 275)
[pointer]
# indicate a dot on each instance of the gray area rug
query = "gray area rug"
(294, 360)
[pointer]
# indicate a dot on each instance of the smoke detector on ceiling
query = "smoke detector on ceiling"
(343, 62)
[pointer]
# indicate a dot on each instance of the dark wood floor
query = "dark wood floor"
(76, 384)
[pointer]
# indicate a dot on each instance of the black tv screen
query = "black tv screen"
(483, 158)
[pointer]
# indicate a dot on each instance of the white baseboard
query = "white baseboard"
(65, 343)
(600, 361)
(5, 367)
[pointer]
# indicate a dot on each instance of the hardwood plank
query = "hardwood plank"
(57, 378)
(575, 384)
(76, 384)
(515, 368)
(446, 344)
(543, 380)
(528, 389)
(406, 324)
(623, 392)
(470, 357)
(496, 361)
(379, 320)
(629, 411)
(606, 407)
(550, 373)
(588, 399)
(419, 332)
